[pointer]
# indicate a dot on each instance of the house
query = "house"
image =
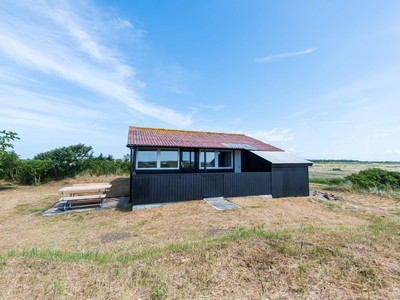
(177, 165)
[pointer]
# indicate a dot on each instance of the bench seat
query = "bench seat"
(88, 197)
(75, 201)
(78, 194)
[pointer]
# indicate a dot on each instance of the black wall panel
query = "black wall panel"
(290, 181)
(150, 189)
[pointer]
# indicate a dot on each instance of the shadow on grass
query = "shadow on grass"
(120, 188)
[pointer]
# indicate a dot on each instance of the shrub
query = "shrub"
(9, 165)
(33, 171)
(375, 179)
(106, 167)
(67, 161)
(328, 181)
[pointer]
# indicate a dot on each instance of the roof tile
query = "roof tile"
(156, 137)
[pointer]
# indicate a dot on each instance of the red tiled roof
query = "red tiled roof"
(155, 137)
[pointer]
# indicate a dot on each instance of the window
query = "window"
(169, 159)
(210, 159)
(222, 159)
(157, 159)
(187, 161)
(147, 159)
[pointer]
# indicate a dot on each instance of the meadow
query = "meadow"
(286, 248)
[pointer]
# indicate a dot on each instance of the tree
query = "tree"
(5, 138)
(10, 164)
(32, 171)
(67, 161)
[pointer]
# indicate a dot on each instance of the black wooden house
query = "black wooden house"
(177, 165)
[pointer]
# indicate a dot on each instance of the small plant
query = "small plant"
(301, 270)
(158, 290)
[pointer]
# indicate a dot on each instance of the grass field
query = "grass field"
(287, 248)
(340, 169)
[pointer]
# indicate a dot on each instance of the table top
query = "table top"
(77, 189)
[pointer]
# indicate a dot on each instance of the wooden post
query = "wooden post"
(205, 160)
(132, 172)
(133, 160)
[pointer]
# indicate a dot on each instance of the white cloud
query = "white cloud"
(273, 135)
(60, 43)
(214, 107)
(392, 152)
(121, 24)
(60, 106)
(282, 56)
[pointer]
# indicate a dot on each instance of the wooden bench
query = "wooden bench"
(87, 184)
(83, 194)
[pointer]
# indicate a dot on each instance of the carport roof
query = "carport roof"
(281, 158)
(156, 137)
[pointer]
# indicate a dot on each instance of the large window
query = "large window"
(147, 159)
(169, 158)
(221, 159)
(157, 159)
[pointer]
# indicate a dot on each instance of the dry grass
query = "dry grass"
(341, 170)
(288, 248)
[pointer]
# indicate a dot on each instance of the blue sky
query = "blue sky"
(318, 79)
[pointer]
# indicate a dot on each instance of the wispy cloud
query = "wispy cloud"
(214, 107)
(393, 152)
(65, 43)
(273, 135)
(121, 23)
(282, 56)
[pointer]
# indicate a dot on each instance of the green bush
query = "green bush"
(59, 163)
(33, 171)
(9, 165)
(67, 161)
(375, 179)
(328, 181)
(105, 167)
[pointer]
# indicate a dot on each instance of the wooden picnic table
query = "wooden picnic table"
(83, 193)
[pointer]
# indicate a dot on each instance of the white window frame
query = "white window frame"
(201, 159)
(158, 158)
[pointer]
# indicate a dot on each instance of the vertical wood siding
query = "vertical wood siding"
(150, 189)
(290, 181)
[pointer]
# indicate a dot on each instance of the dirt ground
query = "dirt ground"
(337, 262)
(23, 227)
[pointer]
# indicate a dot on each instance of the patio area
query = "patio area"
(109, 203)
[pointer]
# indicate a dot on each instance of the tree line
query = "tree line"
(55, 164)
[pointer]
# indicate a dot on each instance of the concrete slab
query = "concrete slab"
(220, 203)
(146, 206)
(109, 203)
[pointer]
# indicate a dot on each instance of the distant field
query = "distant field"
(328, 170)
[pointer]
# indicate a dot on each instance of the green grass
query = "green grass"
(278, 239)
(292, 259)
(25, 209)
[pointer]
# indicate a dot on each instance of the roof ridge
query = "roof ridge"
(184, 131)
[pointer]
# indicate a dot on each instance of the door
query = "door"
(238, 161)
